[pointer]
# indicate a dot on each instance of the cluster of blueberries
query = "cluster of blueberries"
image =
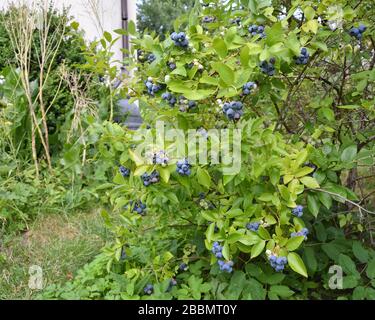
(233, 110)
(183, 167)
(183, 102)
(223, 265)
(160, 158)
(226, 266)
(298, 211)
(268, 67)
(303, 58)
(149, 289)
(253, 226)
(304, 232)
(357, 32)
(236, 21)
(170, 98)
(139, 208)
(247, 87)
(278, 263)
(257, 30)
(140, 55)
(152, 88)
(149, 179)
(151, 58)
(208, 19)
(217, 250)
(125, 172)
(180, 39)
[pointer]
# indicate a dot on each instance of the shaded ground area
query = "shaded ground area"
(60, 244)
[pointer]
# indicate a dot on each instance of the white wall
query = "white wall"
(94, 16)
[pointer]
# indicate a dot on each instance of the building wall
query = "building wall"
(94, 16)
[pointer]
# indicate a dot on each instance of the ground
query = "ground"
(60, 244)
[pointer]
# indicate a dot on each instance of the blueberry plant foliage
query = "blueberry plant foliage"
(297, 81)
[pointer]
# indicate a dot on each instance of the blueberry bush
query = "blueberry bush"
(297, 79)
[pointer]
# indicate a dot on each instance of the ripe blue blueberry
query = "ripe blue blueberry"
(186, 105)
(139, 208)
(171, 99)
(149, 289)
(151, 58)
(180, 39)
(257, 30)
(125, 172)
(247, 87)
(303, 58)
(149, 179)
(268, 67)
(233, 110)
(217, 250)
(303, 233)
(172, 283)
(183, 267)
(253, 226)
(172, 65)
(225, 265)
(298, 211)
(278, 263)
(183, 167)
(160, 158)
(208, 19)
(357, 32)
(152, 88)
(362, 28)
(123, 254)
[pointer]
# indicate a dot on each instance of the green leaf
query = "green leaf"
(281, 291)
(370, 271)
(264, 233)
(284, 191)
(309, 13)
(360, 252)
(225, 72)
(225, 251)
(198, 94)
(165, 174)
(303, 172)
(275, 34)
(294, 243)
(257, 249)
(132, 28)
(349, 153)
(313, 205)
(326, 199)
(136, 158)
(220, 47)
(107, 36)
(309, 257)
(359, 293)
(310, 182)
(349, 282)
(296, 264)
(348, 265)
(204, 178)
(328, 113)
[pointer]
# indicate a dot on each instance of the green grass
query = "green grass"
(60, 244)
